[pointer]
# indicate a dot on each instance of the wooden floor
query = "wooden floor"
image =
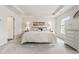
(16, 48)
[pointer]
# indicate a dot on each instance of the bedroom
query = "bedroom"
(41, 25)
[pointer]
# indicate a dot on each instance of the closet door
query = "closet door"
(70, 38)
(77, 40)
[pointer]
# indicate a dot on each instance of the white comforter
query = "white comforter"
(34, 36)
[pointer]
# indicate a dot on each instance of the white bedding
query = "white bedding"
(39, 36)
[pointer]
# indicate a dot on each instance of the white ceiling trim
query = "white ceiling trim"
(18, 9)
(63, 10)
(14, 9)
(38, 10)
(60, 10)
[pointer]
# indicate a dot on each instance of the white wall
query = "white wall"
(39, 19)
(4, 13)
(69, 13)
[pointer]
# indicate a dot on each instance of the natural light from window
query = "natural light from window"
(63, 24)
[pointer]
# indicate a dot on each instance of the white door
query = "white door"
(10, 25)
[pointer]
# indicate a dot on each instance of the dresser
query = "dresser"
(72, 33)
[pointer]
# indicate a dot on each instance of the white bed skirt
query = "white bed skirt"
(34, 36)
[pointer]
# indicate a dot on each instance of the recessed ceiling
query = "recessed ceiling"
(38, 10)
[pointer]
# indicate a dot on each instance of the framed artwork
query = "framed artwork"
(38, 23)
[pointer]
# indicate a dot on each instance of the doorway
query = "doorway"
(11, 27)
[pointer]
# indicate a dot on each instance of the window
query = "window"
(63, 24)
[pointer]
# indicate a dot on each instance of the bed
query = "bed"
(39, 36)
